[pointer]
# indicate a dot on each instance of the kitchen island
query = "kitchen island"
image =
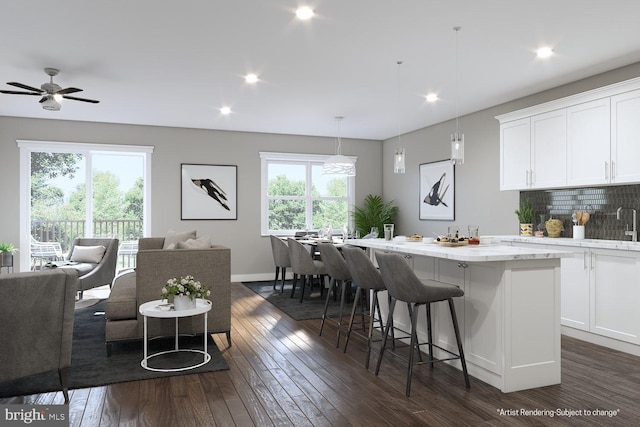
(510, 313)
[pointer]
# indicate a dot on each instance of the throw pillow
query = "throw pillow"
(174, 237)
(199, 243)
(90, 254)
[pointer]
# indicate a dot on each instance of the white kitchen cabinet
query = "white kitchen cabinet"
(625, 128)
(589, 143)
(533, 152)
(575, 294)
(615, 292)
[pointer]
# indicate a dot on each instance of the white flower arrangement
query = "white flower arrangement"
(185, 286)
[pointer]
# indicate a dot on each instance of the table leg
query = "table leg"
(145, 342)
(206, 314)
(176, 333)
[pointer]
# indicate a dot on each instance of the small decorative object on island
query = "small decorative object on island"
(184, 290)
(540, 227)
(554, 227)
(6, 254)
(526, 215)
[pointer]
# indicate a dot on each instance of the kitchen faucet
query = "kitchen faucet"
(633, 233)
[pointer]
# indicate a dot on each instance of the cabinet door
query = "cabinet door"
(588, 143)
(574, 273)
(625, 128)
(515, 154)
(615, 293)
(549, 150)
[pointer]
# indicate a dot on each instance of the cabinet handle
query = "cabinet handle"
(613, 171)
(462, 265)
(407, 256)
(531, 173)
(606, 170)
(584, 260)
(592, 261)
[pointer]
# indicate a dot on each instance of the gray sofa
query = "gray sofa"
(154, 266)
(36, 314)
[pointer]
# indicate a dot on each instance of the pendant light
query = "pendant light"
(457, 138)
(398, 158)
(339, 164)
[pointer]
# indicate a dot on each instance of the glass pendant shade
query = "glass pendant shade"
(398, 161)
(457, 148)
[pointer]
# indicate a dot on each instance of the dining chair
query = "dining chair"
(404, 286)
(281, 259)
(340, 276)
(302, 264)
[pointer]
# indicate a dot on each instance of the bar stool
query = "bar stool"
(366, 276)
(404, 286)
(281, 259)
(304, 265)
(337, 270)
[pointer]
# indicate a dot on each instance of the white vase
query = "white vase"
(182, 302)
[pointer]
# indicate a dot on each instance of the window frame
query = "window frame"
(267, 158)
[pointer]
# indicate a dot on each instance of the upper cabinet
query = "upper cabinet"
(585, 139)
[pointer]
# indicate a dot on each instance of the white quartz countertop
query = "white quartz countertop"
(625, 245)
(467, 253)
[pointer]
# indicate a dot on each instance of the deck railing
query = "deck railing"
(127, 231)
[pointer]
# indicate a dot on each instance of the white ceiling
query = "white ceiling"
(175, 63)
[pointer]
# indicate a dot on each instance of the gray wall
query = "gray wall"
(250, 253)
(478, 199)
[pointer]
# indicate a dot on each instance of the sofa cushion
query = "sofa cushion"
(90, 254)
(199, 243)
(174, 237)
(122, 302)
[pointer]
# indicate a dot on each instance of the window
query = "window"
(297, 196)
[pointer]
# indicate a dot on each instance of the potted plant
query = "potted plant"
(6, 254)
(374, 213)
(526, 215)
(184, 290)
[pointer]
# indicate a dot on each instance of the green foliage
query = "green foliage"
(526, 214)
(374, 213)
(51, 165)
(7, 247)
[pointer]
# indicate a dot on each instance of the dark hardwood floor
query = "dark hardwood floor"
(283, 373)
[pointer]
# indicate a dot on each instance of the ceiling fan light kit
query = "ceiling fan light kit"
(50, 92)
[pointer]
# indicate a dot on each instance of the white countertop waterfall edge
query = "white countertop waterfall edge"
(467, 253)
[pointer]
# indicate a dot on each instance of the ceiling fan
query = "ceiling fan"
(51, 93)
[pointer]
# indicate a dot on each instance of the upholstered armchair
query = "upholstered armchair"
(36, 314)
(154, 266)
(94, 272)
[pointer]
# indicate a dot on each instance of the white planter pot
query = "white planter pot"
(181, 302)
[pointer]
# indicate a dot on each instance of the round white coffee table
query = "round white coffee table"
(155, 309)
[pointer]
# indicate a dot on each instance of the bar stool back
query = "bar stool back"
(367, 278)
(281, 259)
(404, 286)
(340, 278)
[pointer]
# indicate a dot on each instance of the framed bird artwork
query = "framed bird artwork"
(437, 188)
(209, 192)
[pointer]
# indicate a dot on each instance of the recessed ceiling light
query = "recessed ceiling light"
(304, 13)
(225, 111)
(544, 52)
(251, 78)
(432, 97)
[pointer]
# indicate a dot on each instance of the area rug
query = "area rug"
(90, 366)
(310, 308)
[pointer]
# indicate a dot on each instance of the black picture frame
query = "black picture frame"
(437, 191)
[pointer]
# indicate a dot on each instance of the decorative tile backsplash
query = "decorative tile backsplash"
(601, 203)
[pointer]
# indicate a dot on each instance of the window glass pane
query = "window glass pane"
(329, 213)
(286, 215)
(286, 179)
(327, 185)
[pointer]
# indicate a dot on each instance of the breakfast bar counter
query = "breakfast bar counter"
(510, 313)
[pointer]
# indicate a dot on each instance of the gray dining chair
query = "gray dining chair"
(302, 264)
(367, 279)
(340, 276)
(403, 285)
(281, 259)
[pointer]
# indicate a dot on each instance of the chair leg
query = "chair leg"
(374, 305)
(63, 374)
(305, 279)
(353, 313)
(284, 274)
(229, 338)
(385, 333)
(413, 311)
(343, 289)
(276, 279)
(454, 319)
(429, 335)
(414, 346)
(326, 304)
(293, 287)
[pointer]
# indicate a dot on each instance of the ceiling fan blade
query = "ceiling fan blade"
(67, 90)
(93, 101)
(20, 85)
(44, 98)
(14, 92)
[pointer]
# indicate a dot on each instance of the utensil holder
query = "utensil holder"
(578, 232)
